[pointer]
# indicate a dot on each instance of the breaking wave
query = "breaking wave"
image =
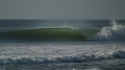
(114, 32)
(67, 59)
(24, 56)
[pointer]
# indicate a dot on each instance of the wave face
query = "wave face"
(59, 53)
(114, 32)
(43, 34)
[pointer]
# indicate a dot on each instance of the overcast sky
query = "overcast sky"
(62, 9)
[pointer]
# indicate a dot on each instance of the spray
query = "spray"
(114, 32)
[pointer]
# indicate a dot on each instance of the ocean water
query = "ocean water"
(105, 51)
(69, 55)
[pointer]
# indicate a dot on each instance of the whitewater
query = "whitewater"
(64, 54)
(59, 52)
(115, 31)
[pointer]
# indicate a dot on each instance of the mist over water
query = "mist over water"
(115, 32)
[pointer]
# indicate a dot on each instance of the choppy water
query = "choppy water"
(62, 56)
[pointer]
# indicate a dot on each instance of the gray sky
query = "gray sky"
(62, 9)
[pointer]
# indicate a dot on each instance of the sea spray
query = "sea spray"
(115, 32)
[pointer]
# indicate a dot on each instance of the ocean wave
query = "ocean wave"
(50, 52)
(63, 59)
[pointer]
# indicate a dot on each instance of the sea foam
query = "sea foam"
(60, 53)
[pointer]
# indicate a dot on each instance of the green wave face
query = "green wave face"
(44, 34)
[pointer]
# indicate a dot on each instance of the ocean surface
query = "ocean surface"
(105, 51)
(70, 55)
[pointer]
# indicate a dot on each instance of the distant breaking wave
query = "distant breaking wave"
(114, 32)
